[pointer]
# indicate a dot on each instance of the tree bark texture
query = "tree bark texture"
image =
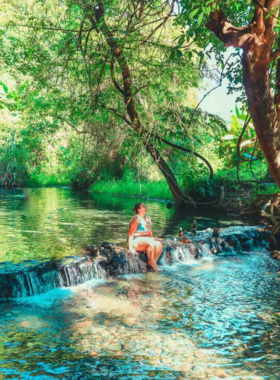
(262, 107)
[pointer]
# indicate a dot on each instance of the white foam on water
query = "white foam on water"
(48, 299)
(87, 285)
(180, 256)
(131, 276)
(207, 258)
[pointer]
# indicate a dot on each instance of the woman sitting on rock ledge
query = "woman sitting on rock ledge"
(140, 236)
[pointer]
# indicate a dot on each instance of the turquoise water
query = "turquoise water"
(217, 319)
(211, 319)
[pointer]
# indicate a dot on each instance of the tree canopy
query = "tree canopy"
(115, 82)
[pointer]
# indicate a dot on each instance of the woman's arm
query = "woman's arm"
(133, 224)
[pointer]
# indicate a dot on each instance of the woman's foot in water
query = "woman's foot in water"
(153, 265)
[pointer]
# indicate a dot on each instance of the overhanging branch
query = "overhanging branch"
(228, 33)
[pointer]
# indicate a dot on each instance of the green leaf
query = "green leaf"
(208, 11)
(200, 18)
(179, 53)
(181, 39)
(22, 87)
(237, 111)
(5, 88)
(194, 12)
(172, 55)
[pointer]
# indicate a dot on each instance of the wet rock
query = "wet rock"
(275, 255)
(198, 354)
(92, 250)
(248, 245)
(198, 253)
(215, 232)
(107, 244)
(93, 353)
(274, 243)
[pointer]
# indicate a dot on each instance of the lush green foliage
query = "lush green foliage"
(63, 119)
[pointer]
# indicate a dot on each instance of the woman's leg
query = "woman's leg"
(151, 255)
(146, 244)
(158, 249)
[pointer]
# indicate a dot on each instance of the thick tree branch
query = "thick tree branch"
(154, 135)
(229, 34)
(259, 12)
(118, 87)
(179, 147)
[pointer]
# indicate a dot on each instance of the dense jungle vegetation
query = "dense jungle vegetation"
(105, 95)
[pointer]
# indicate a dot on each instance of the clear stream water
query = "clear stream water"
(211, 319)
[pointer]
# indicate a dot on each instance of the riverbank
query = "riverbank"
(48, 180)
(233, 199)
(223, 193)
(154, 190)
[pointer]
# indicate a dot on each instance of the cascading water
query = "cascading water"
(205, 250)
(42, 278)
(177, 255)
(27, 279)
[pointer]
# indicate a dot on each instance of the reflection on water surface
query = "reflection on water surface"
(218, 318)
(54, 222)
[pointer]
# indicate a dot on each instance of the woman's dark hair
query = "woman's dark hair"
(137, 206)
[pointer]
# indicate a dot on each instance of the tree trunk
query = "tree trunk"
(261, 105)
(99, 23)
(257, 41)
(179, 195)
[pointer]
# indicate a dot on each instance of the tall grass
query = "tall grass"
(43, 179)
(159, 190)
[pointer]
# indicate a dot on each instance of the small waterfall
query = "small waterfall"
(205, 250)
(44, 277)
(229, 240)
(179, 254)
(31, 282)
(73, 275)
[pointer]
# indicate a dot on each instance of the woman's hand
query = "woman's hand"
(133, 252)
